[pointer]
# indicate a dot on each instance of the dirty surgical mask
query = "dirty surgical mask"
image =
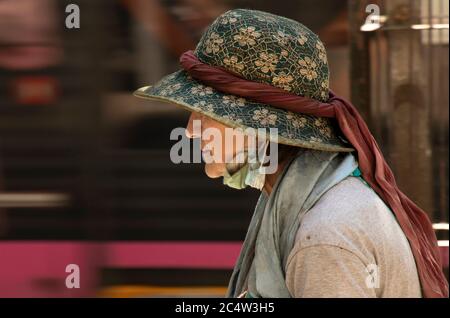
(247, 173)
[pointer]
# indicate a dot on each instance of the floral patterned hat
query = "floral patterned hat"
(266, 48)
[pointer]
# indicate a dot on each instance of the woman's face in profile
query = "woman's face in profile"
(216, 168)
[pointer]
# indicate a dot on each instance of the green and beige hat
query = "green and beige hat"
(266, 48)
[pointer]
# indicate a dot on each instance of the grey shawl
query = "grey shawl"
(260, 268)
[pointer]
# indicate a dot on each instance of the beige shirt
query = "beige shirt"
(350, 245)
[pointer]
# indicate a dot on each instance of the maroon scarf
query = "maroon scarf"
(413, 220)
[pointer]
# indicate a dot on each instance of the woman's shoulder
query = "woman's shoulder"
(350, 225)
(350, 200)
(349, 215)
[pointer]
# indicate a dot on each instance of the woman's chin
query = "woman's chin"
(213, 170)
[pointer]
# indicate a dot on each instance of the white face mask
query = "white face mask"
(248, 173)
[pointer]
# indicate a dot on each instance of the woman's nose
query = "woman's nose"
(190, 131)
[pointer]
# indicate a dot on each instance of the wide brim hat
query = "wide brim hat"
(266, 48)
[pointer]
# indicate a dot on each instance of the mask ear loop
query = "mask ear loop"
(237, 162)
(262, 169)
(256, 176)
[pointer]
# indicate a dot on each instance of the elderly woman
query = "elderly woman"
(330, 221)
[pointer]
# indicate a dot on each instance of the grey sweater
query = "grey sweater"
(350, 245)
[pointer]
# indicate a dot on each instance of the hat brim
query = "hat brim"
(293, 129)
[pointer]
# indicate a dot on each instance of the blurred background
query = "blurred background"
(85, 173)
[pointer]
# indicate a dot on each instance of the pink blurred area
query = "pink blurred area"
(37, 269)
